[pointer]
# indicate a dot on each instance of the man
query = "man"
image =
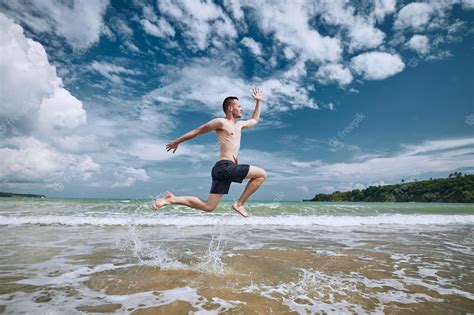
(227, 169)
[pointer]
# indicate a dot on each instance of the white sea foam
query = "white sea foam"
(63, 303)
(317, 292)
(231, 220)
(74, 276)
(459, 248)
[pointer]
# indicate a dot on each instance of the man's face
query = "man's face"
(237, 110)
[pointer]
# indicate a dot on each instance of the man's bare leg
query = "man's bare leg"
(190, 201)
(257, 177)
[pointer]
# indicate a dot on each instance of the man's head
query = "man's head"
(231, 105)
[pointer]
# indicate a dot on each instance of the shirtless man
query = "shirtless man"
(227, 169)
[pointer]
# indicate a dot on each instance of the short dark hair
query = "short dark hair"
(227, 102)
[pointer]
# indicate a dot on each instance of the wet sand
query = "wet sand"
(260, 281)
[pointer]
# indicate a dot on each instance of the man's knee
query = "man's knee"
(210, 207)
(212, 202)
(262, 174)
(256, 172)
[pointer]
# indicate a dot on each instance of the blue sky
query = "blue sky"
(357, 93)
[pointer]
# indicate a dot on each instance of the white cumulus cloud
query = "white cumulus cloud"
(251, 44)
(61, 111)
(331, 73)
(361, 32)
(383, 7)
(29, 159)
(36, 109)
(289, 22)
(365, 36)
(415, 15)
(127, 176)
(203, 23)
(31, 92)
(79, 22)
(377, 65)
(419, 43)
(283, 92)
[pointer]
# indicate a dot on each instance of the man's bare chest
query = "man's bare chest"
(230, 131)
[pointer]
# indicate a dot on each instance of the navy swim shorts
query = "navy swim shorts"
(225, 172)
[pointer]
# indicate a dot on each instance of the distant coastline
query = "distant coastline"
(456, 188)
(8, 194)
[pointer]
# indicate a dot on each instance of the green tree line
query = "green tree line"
(456, 188)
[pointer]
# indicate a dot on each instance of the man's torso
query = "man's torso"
(229, 140)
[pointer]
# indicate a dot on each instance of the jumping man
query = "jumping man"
(227, 169)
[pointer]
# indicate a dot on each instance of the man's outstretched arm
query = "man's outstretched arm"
(213, 124)
(257, 95)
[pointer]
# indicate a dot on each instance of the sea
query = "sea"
(76, 256)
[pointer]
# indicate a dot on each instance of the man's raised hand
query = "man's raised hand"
(172, 146)
(257, 94)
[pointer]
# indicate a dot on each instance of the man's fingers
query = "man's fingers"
(256, 90)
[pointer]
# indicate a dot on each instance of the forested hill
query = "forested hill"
(8, 194)
(455, 188)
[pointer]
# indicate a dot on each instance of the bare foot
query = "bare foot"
(163, 201)
(240, 209)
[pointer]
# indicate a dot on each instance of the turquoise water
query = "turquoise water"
(113, 212)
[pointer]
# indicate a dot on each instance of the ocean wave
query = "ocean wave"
(232, 220)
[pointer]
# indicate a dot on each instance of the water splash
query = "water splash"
(147, 253)
(213, 261)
